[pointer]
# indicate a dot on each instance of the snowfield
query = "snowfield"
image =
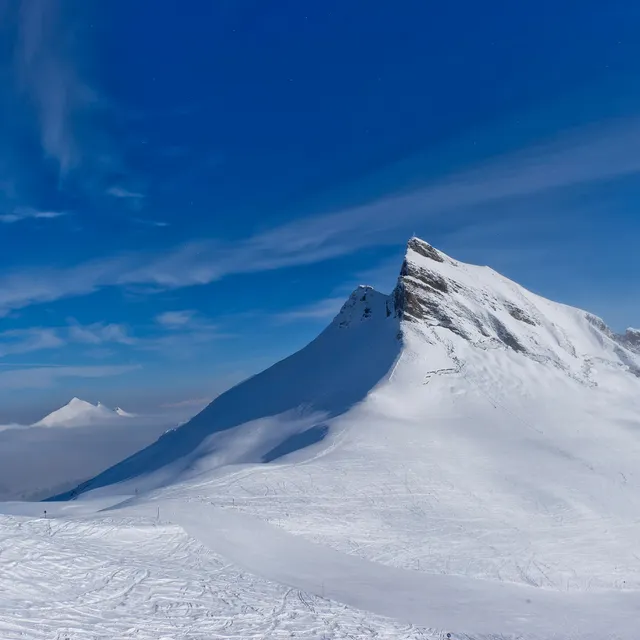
(458, 457)
(112, 578)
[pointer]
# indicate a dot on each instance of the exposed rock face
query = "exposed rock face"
(435, 293)
(631, 340)
(519, 314)
(362, 305)
(424, 249)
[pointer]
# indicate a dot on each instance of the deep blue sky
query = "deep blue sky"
(189, 189)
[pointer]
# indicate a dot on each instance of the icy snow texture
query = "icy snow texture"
(464, 451)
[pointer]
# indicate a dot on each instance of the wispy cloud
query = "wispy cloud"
(151, 223)
(25, 213)
(72, 115)
(582, 157)
(45, 377)
(185, 333)
(122, 193)
(19, 341)
(320, 310)
(49, 77)
(100, 333)
(134, 200)
(21, 288)
(189, 403)
(175, 319)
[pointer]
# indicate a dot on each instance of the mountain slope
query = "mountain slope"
(443, 313)
(286, 407)
(462, 426)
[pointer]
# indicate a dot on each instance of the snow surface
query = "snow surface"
(458, 457)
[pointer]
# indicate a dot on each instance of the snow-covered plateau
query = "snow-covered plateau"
(459, 457)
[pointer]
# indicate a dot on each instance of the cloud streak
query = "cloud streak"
(46, 377)
(49, 78)
(26, 213)
(184, 334)
(175, 319)
(120, 192)
(19, 341)
(56, 89)
(100, 333)
(581, 157)
(321, 310)
(133, 199)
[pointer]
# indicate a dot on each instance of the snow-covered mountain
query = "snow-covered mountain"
(79, 413)
(124, 414)
(445, 320)
(463, 444)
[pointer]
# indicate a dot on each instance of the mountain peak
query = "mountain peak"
(362, 305)
(76, 412)
(424, 249)
(453, 326)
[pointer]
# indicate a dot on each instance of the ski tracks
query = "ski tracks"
(130, 577)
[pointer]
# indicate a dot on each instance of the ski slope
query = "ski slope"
(97, 577)
(183, 568)
(457, 457)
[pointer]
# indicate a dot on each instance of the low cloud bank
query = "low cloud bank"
(37, 462)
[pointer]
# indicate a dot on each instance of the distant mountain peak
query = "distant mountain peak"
(123, 413)
(78, 412)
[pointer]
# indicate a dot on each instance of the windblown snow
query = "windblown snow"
(459, 457)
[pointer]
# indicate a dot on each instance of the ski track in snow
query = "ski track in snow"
(135, 578)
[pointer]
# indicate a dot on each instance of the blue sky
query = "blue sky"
(189, 190)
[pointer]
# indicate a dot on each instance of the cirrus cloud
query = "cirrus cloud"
(591, 155)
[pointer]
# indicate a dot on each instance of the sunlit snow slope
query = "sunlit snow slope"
(461, 425)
